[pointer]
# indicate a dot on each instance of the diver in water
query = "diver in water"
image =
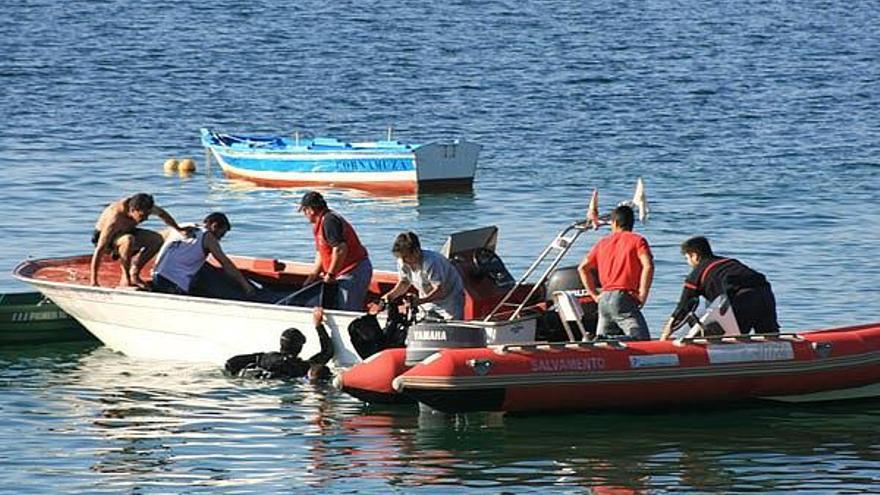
(287, 364)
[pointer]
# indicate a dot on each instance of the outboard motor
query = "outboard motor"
(427, 337)
(564, 278)
(550, 327)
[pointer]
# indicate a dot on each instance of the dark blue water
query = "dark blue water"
(755, 123)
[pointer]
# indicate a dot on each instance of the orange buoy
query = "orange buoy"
(170, 165)
(187, 165)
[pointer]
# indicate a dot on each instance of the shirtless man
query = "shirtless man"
(116, 233)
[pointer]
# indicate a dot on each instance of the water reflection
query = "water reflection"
(116, 424)
(753, 449)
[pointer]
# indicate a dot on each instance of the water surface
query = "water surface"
(755, 123)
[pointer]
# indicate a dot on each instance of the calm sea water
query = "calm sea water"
(755, 123)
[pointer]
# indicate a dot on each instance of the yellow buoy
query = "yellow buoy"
(170, 165)
(187, 165)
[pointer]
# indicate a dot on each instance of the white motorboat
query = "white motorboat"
(185, 328)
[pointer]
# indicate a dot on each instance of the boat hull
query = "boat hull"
(180, 328)
(825, 365)
(30, 318)
(370, 381)
(184, 328)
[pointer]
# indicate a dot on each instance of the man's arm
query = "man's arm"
(97, 255)
(647, 276)
(337, 257)
(326, 353)
(316, 269)
(104, 239)
(398, 290)
(213, 247)
(687, 300)
(168, 219)
(585, 271)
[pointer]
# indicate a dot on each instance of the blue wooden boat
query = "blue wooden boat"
(379, 166)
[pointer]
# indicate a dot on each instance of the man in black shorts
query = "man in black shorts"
(749, 291)
(117, 234)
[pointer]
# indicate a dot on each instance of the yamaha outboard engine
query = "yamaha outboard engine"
(427, 337)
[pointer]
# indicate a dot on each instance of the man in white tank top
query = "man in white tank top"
(182, 257)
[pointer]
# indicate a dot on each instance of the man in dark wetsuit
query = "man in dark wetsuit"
(749, 292)
(287, 363)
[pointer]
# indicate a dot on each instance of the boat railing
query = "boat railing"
(733, 339)
(561, 244)
(559, 346)
(621, 345)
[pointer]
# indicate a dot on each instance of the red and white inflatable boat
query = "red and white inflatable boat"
(839, 363)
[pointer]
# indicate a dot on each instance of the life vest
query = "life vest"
(356, 251)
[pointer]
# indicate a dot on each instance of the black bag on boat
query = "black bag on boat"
(396, 328)
(366, 335)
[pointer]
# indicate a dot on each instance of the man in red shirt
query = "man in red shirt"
(625, 267)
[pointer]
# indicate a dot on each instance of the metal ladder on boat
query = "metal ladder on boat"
(560, 245)
(563, 242)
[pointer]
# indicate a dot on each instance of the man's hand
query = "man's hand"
(318, 315)
(411, 301)
(329, 278)
(311, 278)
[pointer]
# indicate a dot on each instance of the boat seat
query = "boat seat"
(267, 265)
(570, 310)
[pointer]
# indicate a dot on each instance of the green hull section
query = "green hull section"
(29, 318)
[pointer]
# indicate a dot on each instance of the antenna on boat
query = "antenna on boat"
(389, 133)
(296, 137)
(593, 210)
